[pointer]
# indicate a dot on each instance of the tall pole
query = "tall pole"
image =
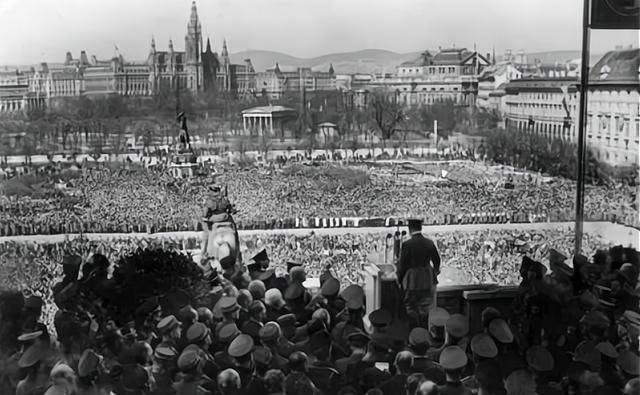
(584, 90)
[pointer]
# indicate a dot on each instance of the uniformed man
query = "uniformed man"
(230, 310)
(397, 384)
(453, 360)
(270, 335)
(192, 380)
(297, 382)
(417, 274)
(240, 350)
(171, 330)
(226, 335)
(437, 335)
(419, 345)
(257, 314)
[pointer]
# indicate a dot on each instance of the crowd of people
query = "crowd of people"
(572, 329)
(477, 257)
(142, 200)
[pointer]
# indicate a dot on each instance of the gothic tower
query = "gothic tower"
(153, 67)
(209, 68)
(193, 51)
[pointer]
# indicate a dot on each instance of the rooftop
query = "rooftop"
(617, 67)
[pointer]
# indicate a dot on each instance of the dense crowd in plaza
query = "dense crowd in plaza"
(572, 329)
(140, 200)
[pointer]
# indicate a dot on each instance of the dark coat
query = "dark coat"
(418, 264)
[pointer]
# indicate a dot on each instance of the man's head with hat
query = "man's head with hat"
(189, 361)
(240, 348)
(500, 330)
(539, 359)
(330, 288)
(287, 324)
(262, 259)
(415, 225)
(199, 334)
(380, 319)
(270, 333)
(188, 316)
(169, 327)
(457, 326)
(297, 274)
(229, 307)
(483, 346)
(419, 340)
(228, 332)
(353, 296)
(453, 360)
(438, 318)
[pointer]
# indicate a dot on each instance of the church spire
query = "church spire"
(331, 71)
(170, 45)
(208, 45)
(225, 52)
(153, 44)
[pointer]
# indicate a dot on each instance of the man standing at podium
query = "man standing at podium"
(417, 274)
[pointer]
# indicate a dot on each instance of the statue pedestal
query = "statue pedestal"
(184, 165)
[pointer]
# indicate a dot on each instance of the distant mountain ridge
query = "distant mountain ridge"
(374, 60)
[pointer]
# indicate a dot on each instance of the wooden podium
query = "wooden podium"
(381, 291)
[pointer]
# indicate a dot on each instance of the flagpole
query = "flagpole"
(584, 90)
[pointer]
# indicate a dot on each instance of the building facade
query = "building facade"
(277, 80)
(451, 74)
(549, 106)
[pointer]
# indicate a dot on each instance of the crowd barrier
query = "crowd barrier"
(76, 226)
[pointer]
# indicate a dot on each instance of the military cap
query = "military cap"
(484, 346)
(607, 349)
(260, 256)
(60, 368)
(358, 338)
(89, 362)
(418, 337)
(330, 287)
(262, 355)
(287, 320)
(31, 356)
(265, 275)
(33, 302)
(438, 317)
(628, 363)
(453, 357)
(353, 291)
(457, 325)
(71, 260)
(587, 352)
(204, 314)
(197, 332)
(228, 304)
(240, 346)
(632, 316)
(270, 331)
(380, 318)
(414, 222)
(148, 306)
(291, 265)
(293, 291)
(167, 324)
(539, 359)
(596, 319)
(228, 332)
(188, 360)
(29, 336)
(499, 329)
(164, 353)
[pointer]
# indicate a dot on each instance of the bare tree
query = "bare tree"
(386, 113)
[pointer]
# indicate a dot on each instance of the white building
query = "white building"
(613, 112)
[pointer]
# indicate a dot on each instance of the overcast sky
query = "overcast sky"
(44, 30)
